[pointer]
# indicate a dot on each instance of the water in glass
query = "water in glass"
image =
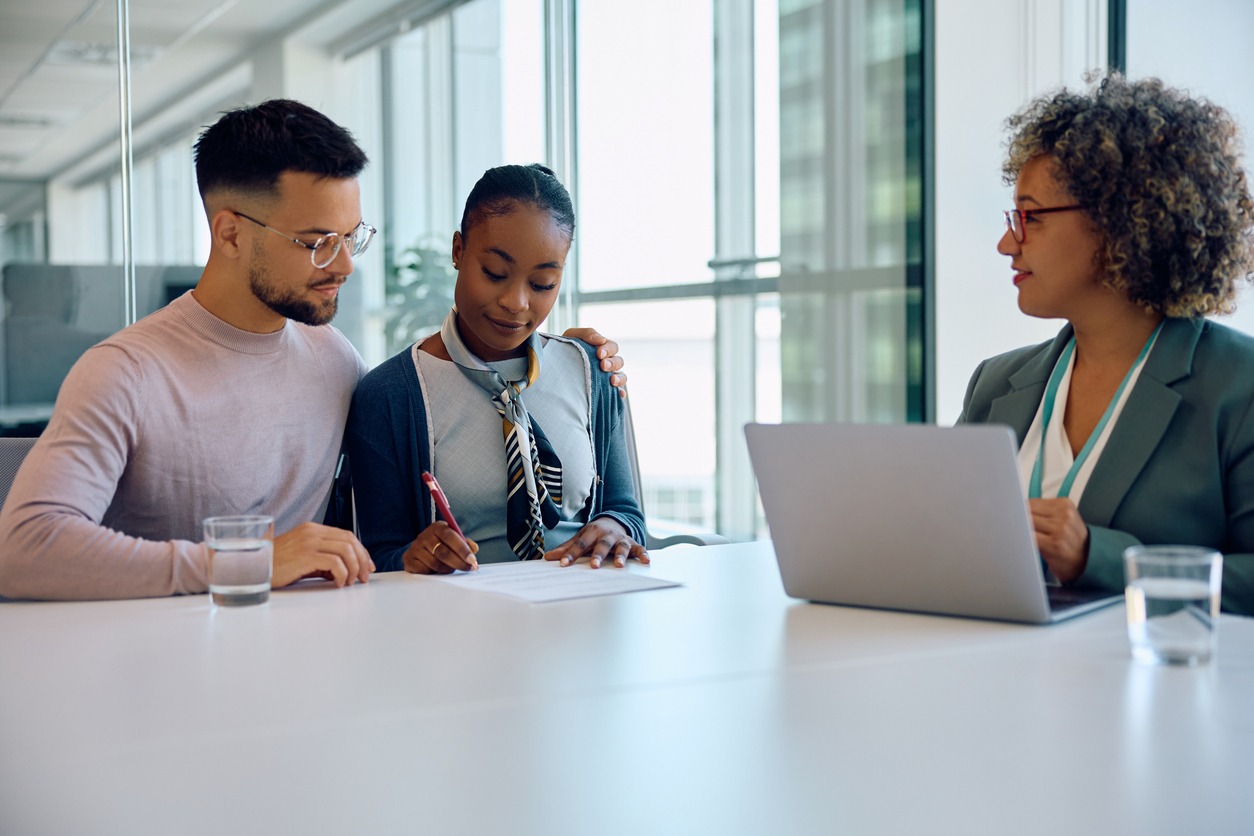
(239, 571)
(1170, 621)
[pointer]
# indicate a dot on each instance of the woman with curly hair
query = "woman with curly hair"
(1132, 221)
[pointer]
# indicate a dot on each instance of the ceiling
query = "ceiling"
(59, 110)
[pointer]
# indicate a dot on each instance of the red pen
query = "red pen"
(441, 502)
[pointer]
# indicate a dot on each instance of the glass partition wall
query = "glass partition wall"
(61, 207)
(748, 178)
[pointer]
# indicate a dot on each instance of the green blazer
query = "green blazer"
(1179, 464)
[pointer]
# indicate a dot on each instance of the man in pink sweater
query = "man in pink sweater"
(230, 400)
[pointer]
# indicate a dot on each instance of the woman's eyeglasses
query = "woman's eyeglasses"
(1016, 219)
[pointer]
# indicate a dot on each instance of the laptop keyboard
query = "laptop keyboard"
(1066, 597)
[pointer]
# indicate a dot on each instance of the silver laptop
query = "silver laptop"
(907, 517)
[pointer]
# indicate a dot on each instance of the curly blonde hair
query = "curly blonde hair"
(1159, 174)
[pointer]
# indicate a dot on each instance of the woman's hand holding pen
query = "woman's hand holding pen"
(439, 550)
(601, 538)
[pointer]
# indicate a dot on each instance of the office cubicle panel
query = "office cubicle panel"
(55, 312)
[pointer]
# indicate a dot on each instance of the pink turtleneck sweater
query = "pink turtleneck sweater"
(176, 418)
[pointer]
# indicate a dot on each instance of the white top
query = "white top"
(469, 457)
(1058, 455)
(408, 705)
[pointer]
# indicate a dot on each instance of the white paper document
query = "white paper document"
(539, 581)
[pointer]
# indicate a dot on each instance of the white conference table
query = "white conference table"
(411, 706)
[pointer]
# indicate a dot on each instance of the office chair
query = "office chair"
(660, 537)
(12, 453)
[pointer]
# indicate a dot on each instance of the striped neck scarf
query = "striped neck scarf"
(534, 472)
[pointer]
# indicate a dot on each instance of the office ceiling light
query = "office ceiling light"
(78, 53)
(16, 121)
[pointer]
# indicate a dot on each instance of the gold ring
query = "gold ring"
(435, 548)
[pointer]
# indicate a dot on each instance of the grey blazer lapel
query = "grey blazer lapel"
(1143, 423)
(1018, 407)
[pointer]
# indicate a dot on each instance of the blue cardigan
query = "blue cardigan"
(1179, 465)
(389, 446)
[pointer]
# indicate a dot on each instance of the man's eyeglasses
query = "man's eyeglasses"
(323, 251)
(1016, 219)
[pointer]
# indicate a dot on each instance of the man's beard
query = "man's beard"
(288, 303)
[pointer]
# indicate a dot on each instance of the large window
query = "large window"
(645, 135)
(464, 92)
(747, 176)
(769, 168)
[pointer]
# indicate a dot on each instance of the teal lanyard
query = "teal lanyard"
(1047, 412)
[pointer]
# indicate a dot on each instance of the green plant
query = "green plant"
(419, 293)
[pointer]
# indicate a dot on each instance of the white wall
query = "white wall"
(1204, 47)
(992, 57)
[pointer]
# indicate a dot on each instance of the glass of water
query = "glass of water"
(241, 552)
(1173, 603)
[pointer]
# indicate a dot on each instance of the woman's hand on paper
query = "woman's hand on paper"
(1061, 536)
(439, 550)
(603, 537)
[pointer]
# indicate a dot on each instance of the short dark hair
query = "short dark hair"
(500, 190)
(1159, 174)
(249, 148)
